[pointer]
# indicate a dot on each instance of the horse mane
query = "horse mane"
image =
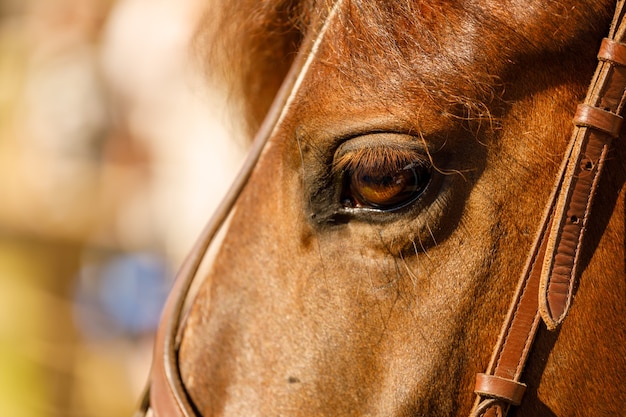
(248, 46)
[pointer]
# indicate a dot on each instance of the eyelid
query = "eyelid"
(376, 158)
(381, 157)
(379, 150)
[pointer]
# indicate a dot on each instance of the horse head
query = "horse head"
(369, 260)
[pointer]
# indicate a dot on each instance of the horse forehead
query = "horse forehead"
(388, 52)
(459, 29)
(375, 42)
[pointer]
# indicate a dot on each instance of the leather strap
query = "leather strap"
(551, 266)
(598, 122)
(165, 395)
(502, 389)
(545, 289)
(599, 119)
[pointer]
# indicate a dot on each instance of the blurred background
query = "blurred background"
(113, 154)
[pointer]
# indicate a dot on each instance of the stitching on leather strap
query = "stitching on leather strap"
(561, 233)
(598, 121)
(560, 268)
(508, 364)
(520, 327)
(503, 389)
(596, 118)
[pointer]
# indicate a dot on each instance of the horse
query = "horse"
(407, 166)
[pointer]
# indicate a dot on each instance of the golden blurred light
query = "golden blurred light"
(111, 153)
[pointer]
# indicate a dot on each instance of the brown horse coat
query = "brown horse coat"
(318, 304)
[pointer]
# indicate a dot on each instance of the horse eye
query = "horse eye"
(386, 185)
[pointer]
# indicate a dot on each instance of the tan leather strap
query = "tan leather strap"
(516, 338)
(597, 121)
(165, 395)
(546, 286)
(502, 389)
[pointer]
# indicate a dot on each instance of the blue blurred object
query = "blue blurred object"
(121, 294)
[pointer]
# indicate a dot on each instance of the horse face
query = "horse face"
(368, 263)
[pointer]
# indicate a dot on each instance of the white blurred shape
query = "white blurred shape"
(148, 61)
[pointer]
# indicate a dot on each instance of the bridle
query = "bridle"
(545, 289)
(165, 395)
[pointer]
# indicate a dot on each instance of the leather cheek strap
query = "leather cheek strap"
(612, 51)
(545, 289)
(596, 118)
(597, 122)
(507, 390)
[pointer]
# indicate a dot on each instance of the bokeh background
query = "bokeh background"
(113, 154)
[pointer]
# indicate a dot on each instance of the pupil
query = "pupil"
(382, 181)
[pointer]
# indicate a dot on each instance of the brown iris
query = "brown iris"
(382, 177)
